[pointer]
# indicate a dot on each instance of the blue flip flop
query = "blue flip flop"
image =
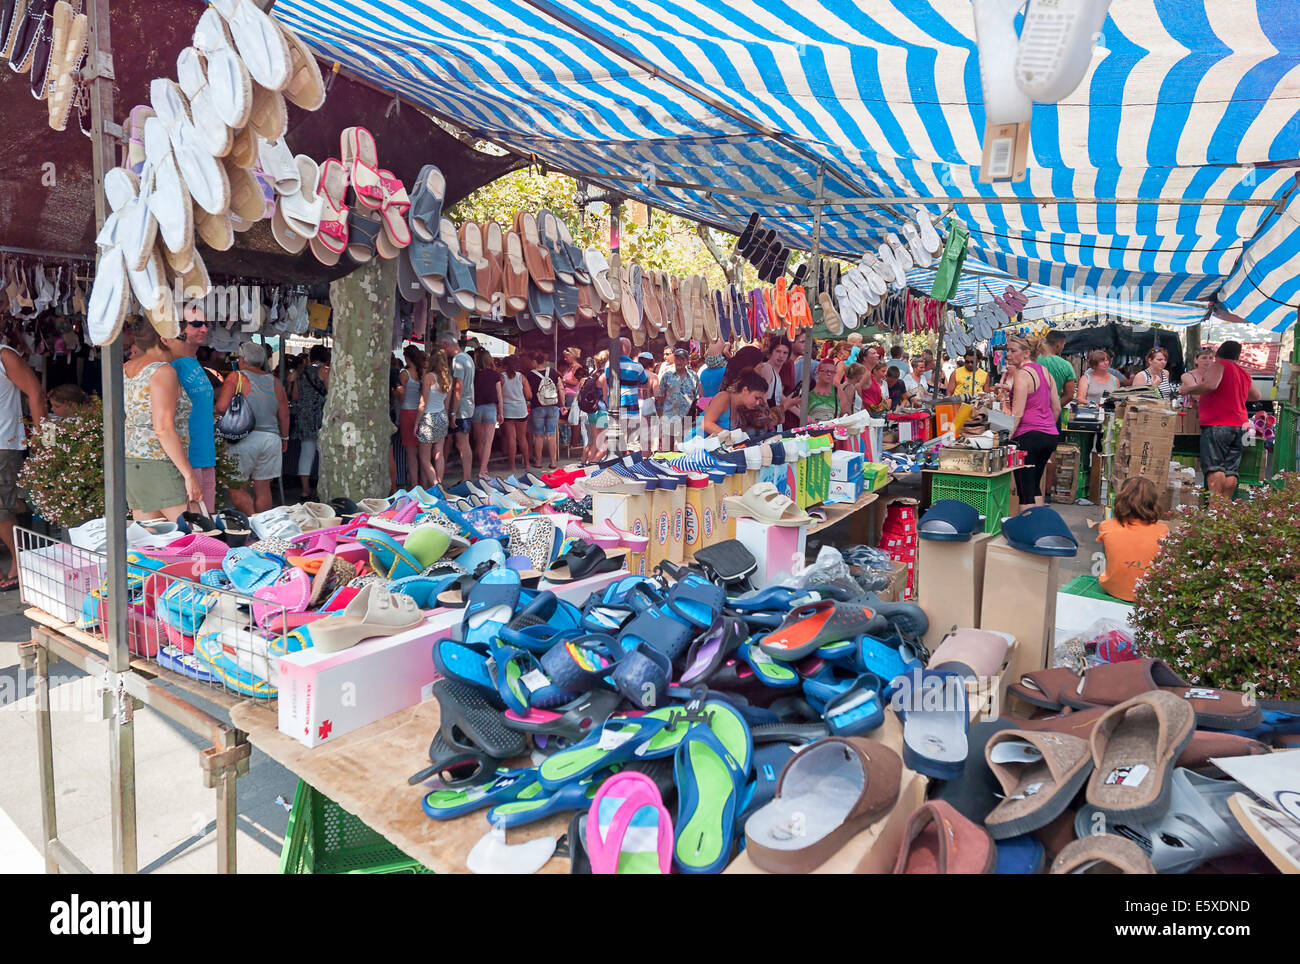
(888, 659)
(710, 768)
(423, 589)
(535, 803)
(769, 760)
(617, 740)
(770, 672)
(521, 683)
(826, 683)
(458, 662)
(776, 599)
(492, 604)
(844, 650)
(447, 803)
(859, 709)
(696, 601)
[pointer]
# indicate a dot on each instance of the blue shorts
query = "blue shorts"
(485, 414)
(545, 419)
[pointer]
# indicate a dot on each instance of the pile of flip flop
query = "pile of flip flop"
(205, 159)
(272, 578)
(661, 712)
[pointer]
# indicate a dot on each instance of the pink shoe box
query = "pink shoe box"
(325, 695)
(779, 550)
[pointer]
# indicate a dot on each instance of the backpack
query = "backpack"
(547, 393)
(589, 396)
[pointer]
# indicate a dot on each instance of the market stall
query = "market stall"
(645, 643)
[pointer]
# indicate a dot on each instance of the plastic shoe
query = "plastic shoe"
(1005, 102)
(1056, 44)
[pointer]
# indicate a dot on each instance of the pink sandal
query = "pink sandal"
(620, 800)
(395, 205)
(577, 530)
(326, 540)
(361, 158)
(632, 541)
(290, 593)
(332, 239)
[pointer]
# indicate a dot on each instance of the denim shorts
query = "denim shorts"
(485, 414)
(545, 419)
(1221, 449)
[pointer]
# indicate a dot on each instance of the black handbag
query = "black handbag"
(728, 563)
(237, 421)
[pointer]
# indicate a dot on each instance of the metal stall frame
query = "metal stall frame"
(126, 688)
(124, 692)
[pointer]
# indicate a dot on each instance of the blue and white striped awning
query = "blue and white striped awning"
(980, 284)
(1183, 100)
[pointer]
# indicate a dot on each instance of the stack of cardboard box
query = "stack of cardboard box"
(1066, 480)
(1146, 443)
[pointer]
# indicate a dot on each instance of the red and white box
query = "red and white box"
(324, 695)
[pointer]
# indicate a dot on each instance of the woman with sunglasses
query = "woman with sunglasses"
(202, 448)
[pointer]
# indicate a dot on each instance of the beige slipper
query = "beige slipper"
(372, 612)
(1040, 774)
(1134, 746)
(1102, 853)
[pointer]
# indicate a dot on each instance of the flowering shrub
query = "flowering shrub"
(1221, 602)
(64, 471)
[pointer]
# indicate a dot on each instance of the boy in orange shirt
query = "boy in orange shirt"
(1131, 539)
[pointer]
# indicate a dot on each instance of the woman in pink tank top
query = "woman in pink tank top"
(1036, 407)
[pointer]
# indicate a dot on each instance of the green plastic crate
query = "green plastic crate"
(991, 497)
(1253, 460)
(323, 838)
(1084, 440)
(1089, 588)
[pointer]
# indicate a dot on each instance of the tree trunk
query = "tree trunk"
(356, 429)
(730, 263)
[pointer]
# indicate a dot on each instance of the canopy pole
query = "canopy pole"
(99, 70)
(814, 258)
(615, 401)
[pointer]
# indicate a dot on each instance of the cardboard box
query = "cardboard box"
(846, 466)
(950, 583)
(56, 578)
(897, 582)
(1020, 598)
(779, 550)
(701, 526)
(325, 695)
(844, 491)
(665, 505)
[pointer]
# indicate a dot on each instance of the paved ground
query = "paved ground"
(175, 813)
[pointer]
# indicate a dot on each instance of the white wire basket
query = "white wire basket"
(206, 633)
